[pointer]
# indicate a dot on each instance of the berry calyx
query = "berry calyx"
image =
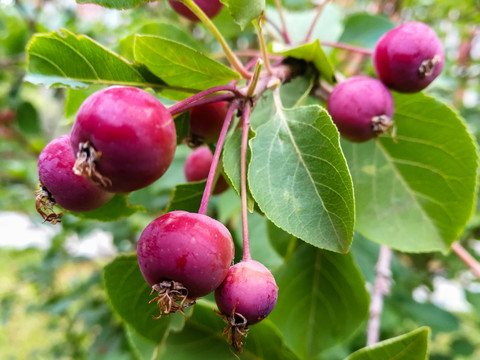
(197, 166)
(124, 139)
(206, 121)
(210, 7)
(184, 256)
(59, 184)
(361, 108)
(246, 296)
(409, 57)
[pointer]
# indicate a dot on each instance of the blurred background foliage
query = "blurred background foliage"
(52, 304)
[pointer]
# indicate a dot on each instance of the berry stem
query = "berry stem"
(193, 100)
(381, 287)
(468, 259)
(284, 31)
(348, 47)
(234, 61)
(216, 156)
(263, 45)
(243, 179)
(314, 21)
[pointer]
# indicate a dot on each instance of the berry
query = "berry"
(210, 7)
(183, 256)
(247, 295)
(409, 57)
(206, 121)
(124, 139)
(60, 185)
(197, 166)
(361, 107)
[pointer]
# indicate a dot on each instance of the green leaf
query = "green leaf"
(186, 197)
(283, 242)
(116, 4)
(179, 65)
(28, 119)
(129, 294)
(142, 348)
(300, 180)
(115, 209)
(365, 29)
(322, 300)
(202, 337)
(244, 11)
(415, 193)
(411, 346)
(65, 59)
(75, 98)
(311, 52)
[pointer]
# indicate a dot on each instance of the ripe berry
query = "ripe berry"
(124, 139)
(197, 166)
(409, 57)
(60, 185)
(206, 121)
(210, 7)
(183, 256)
(361, 107)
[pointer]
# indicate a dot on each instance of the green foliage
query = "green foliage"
(116, 4)
(115, 209)
(365, 29)
(244, 11)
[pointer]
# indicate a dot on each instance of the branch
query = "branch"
(284, 31)
(314, 21)
(468, 259)
(347, 47)
(381, 288)
(243, 179)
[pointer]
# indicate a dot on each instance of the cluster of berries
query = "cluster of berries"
(406, 59)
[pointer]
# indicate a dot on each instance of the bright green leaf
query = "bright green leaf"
(179, 65)
(244, 11)
(411, 346)
(322, 300)
(116, 4)
(129, 294)
(115, 209)
(65, 59)
(313, 53)
(415, 192)
(300, 180)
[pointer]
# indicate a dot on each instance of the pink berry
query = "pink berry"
(210, 7)
(197, 166)
(60, 185)
(206, 121)
(409, 57)
(249, 290)
(124, 139)
(361, 107)
(190, 251)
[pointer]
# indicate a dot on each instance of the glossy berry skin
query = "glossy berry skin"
(250, 289)
(70, 191)
(399, 54)
(184, 247)
(197, 166)
(356, 104)
(210, 7)
(206, 120)
(134, 133)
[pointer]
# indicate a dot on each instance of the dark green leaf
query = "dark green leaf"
(244, 11)
(116, 4)
(142, 348)
(115, 209)
(65, 59)
(365, 29)
(322, 300)
(28, 119)
(416, 192)
(299, 178)
(129, 294)
(283, 242)
(411, 346)
(186, 197)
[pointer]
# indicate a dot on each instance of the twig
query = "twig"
(347, 47)
(381, 288)
(314, 21)
(284, 31)
(263, 46)
(468, 259)
(243, 180)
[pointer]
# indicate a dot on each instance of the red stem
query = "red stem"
(192, 101)
(216, 156)
(468, 259)
(348, 47)
(243, 179)
(314, 21)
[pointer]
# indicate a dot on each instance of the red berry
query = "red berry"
(206, 121)
(186, 251)
(197, 166)
(60, 184)
(361, 107)
(409, 57)
(210, 7)
(249, 290)
(124, 139)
